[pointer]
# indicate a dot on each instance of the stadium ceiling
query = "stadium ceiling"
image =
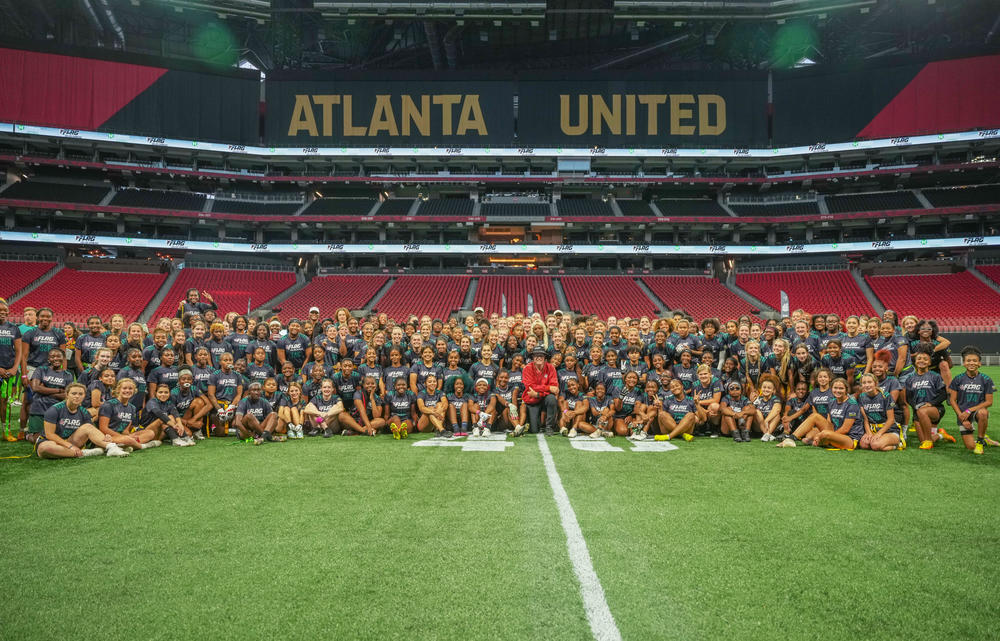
(513, 35)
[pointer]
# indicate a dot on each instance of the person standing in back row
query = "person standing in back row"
(192, 305)
(541, 387)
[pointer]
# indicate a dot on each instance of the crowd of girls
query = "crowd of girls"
(115, 387)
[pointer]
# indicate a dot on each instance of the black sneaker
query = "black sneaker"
(328, 432)
(736, 436)
(745, 434)
(313, 432)
(447, 434)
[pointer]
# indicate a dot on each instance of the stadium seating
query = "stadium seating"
(958, 302)
(814, 291)
(254, 207)
(961, 196)
(16, 275)
(606, 296)
(340, 207)
(700, 296)
(436, 296)
(74, 295)
(230, 288)
(583, 207)
(634, 208)
(490, 290)
(991, 271)
(881, 201)
(395, 207)
(690, 207)
(799, 208)
(157, 199)
(447, 207)
(330, 293)
(535, 210)
(56, 192)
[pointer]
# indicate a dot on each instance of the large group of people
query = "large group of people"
(114, 387)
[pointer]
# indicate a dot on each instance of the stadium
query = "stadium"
(562, 319)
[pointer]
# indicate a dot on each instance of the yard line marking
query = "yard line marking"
(602, 623)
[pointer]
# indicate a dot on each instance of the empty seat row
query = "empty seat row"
(583, 207)
(159, 199)
(962, 196)
(690, 207)
(535, 210)
(437, 296)
(634, 208)
(700, 296)
(232, 290)
(490, 292)
(255, 207)
(70, 294)
(340, 207)
(882, 201)
(56, 192)
(606, 296)
(15, 275)
(798, 208)
(330, 293)
(953, 300)
(817, 292)
(446, 207)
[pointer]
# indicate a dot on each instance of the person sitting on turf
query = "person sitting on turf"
(117, 419)
(767, 417)
(846, 425)
(574, 407)
(162, 419)
(432, 407)
(629, 411)
(482, 408)
(290, 410)
(322, 411)
(737, 411)
(879, 413)
(67, 428)
(365, 417)
(401, 407)
(254, 416)
(971, 396)
(679, 413)
(541, 387)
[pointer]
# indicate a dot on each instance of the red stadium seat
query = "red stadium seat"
(607, 296)
(17, 274)
(953, 300)
(436, 296)
(700, 296)
(990, 271)
(490, 290)
(817, 292)
(230, 288)
(72, 294)
(330, 293)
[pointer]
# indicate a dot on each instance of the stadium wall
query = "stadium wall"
(113, 94)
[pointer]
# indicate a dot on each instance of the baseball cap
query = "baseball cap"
(314, 309)
(538, 351)
(478, 309)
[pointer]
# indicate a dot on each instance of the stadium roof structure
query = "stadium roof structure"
(512, 35)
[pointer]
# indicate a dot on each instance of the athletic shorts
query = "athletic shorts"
(972, 419)
(36, 424)
(10, 386)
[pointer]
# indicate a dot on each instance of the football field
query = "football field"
(422, 539)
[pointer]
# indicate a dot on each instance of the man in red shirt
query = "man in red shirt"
(541, 387)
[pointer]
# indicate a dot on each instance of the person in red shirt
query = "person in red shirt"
(541, 387)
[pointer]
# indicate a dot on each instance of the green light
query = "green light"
(214, 44)
(792, 43)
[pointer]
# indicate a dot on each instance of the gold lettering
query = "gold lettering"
(630, 114)
(704, 101)
(382, 117)
(302, 117)
(564, 124)
(327, 103)
(652, 102)
(678, 112)
(447, 101)
(612, 116)
(471, 116)
(349, 127)
(421, 119)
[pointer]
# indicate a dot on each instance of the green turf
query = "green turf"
(376, 539)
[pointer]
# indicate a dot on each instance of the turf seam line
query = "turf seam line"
(602, 623)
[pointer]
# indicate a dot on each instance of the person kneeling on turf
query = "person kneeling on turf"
(67, 428)
(541, 387)
(971, 395)
(254, 416)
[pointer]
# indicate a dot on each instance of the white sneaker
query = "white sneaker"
(475, 431)
(486, 432)
(596, 434)
(639, 436)
(299, 433)
(178, 442)
(190, 441)
(573, 433)
(607, 433)
(198, 436)
(94, 451)
(518, 430)
(766, 438)
(151, 445)
(114, 450)
(564, 431)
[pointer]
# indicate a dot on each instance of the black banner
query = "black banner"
(389, 112)
(714, 112)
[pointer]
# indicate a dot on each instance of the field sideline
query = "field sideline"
(378, 539)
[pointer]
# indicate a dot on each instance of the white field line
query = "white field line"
(602, 623)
